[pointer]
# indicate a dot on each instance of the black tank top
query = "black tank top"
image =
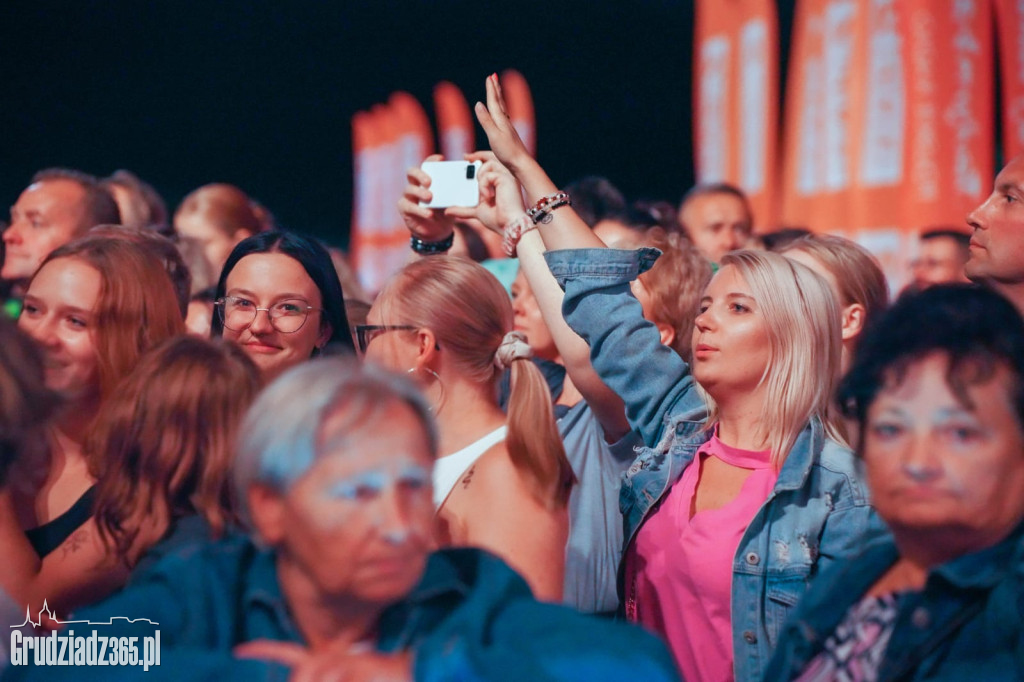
(49, 536)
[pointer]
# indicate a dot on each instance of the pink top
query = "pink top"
(679, 569)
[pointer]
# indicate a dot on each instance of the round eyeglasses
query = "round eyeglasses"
(286, 316)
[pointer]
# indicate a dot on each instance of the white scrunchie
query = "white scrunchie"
(513, 347)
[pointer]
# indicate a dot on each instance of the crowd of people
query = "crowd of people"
(573, 438)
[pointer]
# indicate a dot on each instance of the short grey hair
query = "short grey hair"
(278, 440)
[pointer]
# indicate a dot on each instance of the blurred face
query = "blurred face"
(943, 470)
(47, 215)
(200, 316)
(716, 223)
(358, 525)
(58, 314)
(214, 243)
(617, 235)
(731, 343)
(266, 280)
(997, 245)
(527, 319)
(814, 264)
(940, 260)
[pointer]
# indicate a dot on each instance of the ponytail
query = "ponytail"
(533, 441)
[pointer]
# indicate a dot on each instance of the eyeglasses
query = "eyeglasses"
(286, 316)
(365, 333)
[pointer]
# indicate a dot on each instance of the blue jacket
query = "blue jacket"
(470, 618)
(967, 623)
(818, 511)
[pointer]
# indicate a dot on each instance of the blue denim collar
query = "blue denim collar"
(262, 592)
(690, 431)
(797, 465)
(985, 568)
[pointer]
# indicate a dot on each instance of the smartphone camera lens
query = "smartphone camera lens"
(470, 172)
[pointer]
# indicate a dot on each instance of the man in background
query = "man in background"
(717, 218)
(941, 256)
(997, 244)
(59, 206)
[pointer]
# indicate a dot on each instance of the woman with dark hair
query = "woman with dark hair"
(292, 279)
(937, 389)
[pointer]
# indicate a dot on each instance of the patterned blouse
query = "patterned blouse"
(854, 651)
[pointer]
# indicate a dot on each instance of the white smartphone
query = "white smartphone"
(452, 183)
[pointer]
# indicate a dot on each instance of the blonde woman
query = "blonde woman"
(855, 278)
(740, 497)
(502, 483)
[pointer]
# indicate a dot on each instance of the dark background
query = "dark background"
(261, 94)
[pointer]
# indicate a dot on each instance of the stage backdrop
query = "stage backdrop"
(888, 124)
(735, 94)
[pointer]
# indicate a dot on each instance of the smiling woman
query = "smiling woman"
(279, 297)
(93, 308)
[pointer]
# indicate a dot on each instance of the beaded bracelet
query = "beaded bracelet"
(541, 211)
(514, 231)
(430, 248)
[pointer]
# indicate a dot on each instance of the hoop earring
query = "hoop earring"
(440, 401)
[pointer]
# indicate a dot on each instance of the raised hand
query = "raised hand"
(428, 224)
(501, 134)
(501, 198)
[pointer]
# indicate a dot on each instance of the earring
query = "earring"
(440, 401)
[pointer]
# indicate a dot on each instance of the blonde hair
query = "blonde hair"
(858, 276)
(469, 313)
(675, 285)
(805, 347)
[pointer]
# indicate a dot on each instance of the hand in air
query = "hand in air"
(501, 199)
(428, 224)
(502, 136)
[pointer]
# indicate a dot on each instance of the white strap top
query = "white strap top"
(448, 469)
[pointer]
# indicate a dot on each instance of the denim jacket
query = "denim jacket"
(818, 510)
(966, 624)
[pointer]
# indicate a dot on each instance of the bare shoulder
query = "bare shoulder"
(492, 474)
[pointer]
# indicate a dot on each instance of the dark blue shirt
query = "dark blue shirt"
(470, 618)
(966, 624)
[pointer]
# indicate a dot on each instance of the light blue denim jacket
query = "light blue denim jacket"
(818, 510)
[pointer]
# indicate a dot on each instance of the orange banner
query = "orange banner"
(888, 119)
(1010, 23)
(520, 107)
(455, 122)
(386, 141)
(952, 113)
(735, 95)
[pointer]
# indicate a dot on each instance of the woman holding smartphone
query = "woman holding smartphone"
(741, 495)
